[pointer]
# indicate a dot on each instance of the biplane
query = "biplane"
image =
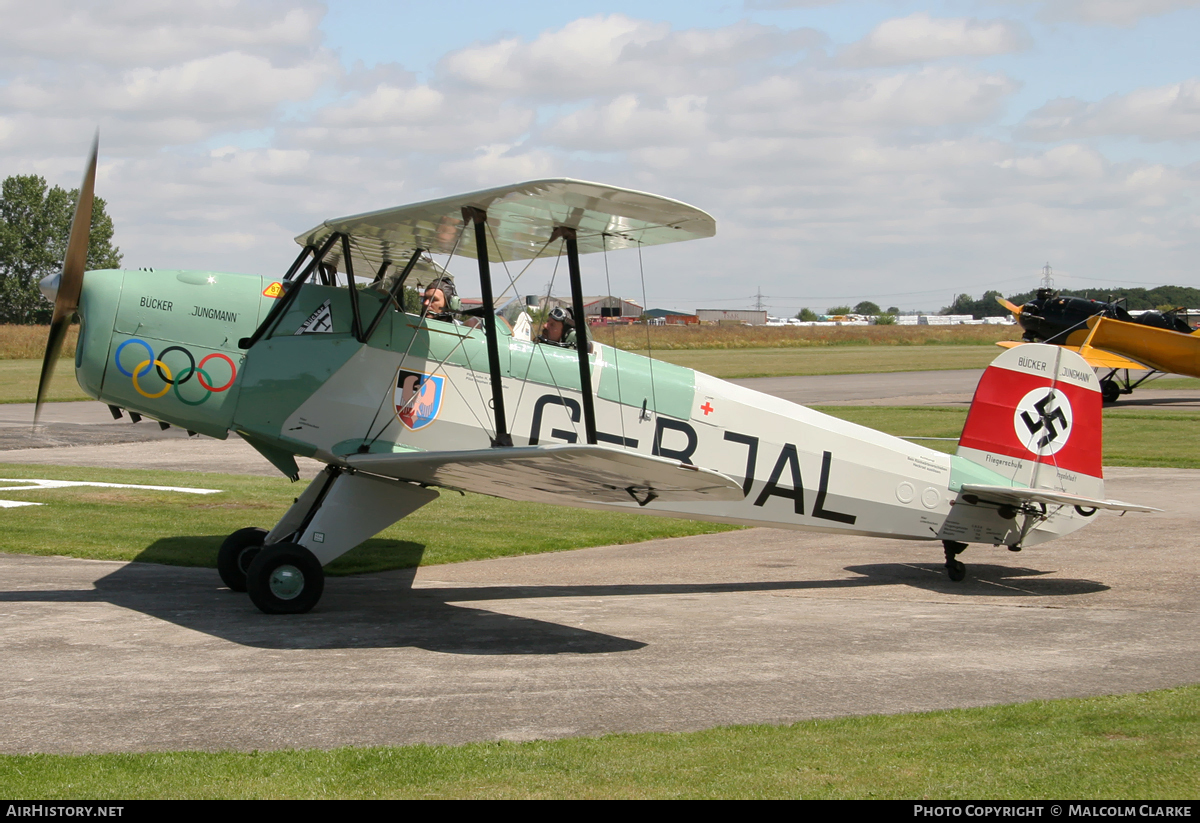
(325, 363)
(1111, 339)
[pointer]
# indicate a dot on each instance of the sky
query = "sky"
(893, 151)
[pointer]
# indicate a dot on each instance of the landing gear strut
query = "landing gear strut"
(281, 569)
(954, 567)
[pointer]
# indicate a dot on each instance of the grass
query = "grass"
(187, 530)
(1174, 383)
(1132, 437)
(782, 362)
(1140, 745)
(29, 342)
(19, 381)
(680, 338)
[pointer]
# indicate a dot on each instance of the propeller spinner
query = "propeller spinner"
(67, 286)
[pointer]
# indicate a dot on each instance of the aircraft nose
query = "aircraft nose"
(49, 285)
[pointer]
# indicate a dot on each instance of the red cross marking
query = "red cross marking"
(706, 408)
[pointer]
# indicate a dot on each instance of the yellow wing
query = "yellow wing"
(1096, 358)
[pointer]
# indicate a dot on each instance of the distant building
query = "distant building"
(594, 308)
(749, 316)
(670, 317)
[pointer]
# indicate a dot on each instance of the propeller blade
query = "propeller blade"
(70, 284)
(1012, 307)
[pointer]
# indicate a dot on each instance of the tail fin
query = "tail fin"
(1036, 420)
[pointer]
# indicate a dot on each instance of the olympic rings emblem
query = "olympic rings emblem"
(170, 380)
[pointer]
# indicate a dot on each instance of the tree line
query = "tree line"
(35, 225)
(1160, 298)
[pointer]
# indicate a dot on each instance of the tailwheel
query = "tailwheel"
(954, 567)
(1109, 390)
(285, 578)
(236, 554)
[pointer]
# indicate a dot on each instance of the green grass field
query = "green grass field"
(186, 530)
(736, 363)
(1131, 746)
(1133, 436)
(19, 381)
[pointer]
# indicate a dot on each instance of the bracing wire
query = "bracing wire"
(649, 350)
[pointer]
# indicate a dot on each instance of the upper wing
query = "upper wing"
(1096, 358)
(1163, 350)
(521, 219)
(1017, 496)
(557, 474)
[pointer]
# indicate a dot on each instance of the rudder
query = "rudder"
(1036, 419)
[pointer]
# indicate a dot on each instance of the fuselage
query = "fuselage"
(166, 345)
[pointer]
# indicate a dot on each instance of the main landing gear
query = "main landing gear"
(281, 569)
(954, 567)
(285, 579)
(236, 554)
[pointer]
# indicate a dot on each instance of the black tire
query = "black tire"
(956, 570)
(236, 554)
(285, 578)
(1110, 391)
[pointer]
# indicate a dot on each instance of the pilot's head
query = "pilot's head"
(557, 324)
(437, 296)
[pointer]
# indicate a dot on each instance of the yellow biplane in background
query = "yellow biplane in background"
(1109, 337)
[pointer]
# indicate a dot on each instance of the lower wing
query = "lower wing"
(1096, 358)
(562, 474)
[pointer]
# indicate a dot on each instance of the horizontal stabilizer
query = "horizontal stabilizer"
(561, 474)
(1005, 495)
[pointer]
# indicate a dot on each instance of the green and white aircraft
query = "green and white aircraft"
(323, 363)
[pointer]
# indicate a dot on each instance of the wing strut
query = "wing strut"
(289, 295)
(479, 218)
(581, 342)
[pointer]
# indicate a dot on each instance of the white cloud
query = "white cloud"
(919, 37)
(416, 118)
(615, 54)
(867, 179)
(128, 33)
(1153, 114)
(821, 103)
(1124, 13)
(630, 123)
(154, 74)
(497, 164)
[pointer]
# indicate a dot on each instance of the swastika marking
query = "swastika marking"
(1042, 420)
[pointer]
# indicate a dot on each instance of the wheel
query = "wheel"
(1109, 390)
(954, 567)
(957, 570)
(285, 578)
(236, 554)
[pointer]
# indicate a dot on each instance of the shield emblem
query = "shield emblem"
(418, 398)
